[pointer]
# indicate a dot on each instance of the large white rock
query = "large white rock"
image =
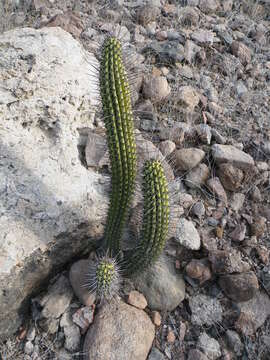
(51, 206)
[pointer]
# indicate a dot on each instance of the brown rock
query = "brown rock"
(230, 177)
(78, 277)
(170, 337)
(147, 14)
(239, 232)
(120, 331)
(198, 270)
(239, 287)
(156, 88)
(137, 299)
(253, 313)
(197, 176)
(217, 189)
(156, 318)
(69, 21)
(258, 227)
(195, 354)
(188, 97)
(241, 51)
(188, 158)
(209, 6)
(227, 262)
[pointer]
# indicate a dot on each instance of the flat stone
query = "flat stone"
(205, 310)
(239, 287)
(162, 286)
(187, 235)
(52, 207)
(188, 158)
(232, 155)
(137, 299)
(120, 330)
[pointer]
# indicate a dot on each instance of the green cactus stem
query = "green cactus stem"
(155, 218)
(116, 103)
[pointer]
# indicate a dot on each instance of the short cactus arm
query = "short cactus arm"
(115, 95)
(155, 218)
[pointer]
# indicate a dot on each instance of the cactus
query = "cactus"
(116, 104)
(155, 218)
(103, 278)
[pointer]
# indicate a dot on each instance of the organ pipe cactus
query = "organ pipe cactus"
(116, 104)
(155, 218)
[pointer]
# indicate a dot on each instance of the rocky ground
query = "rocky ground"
(200, 89)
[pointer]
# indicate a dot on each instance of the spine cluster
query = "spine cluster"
(116, 102)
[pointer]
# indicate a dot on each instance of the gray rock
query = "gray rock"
(205, 310)
(197, 176)
(187, 159)
(257, 309)
(57, 300)
(187, 235)
(188, 97)
(155, 354)
(166, 52)
(209, 346)
(232, 155)
(191, 50)
(208, 6)
(195, 354)
(198, 209)
(72, 337)
(162, 286)
(96, 151)
(120, 330)
(203, 36)
(28, 347)
(205, 133)
(237, 201)
(234, 342)
(52, 208)
(78, 279)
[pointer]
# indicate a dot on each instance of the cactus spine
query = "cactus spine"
(155, 218)
(116, 103)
